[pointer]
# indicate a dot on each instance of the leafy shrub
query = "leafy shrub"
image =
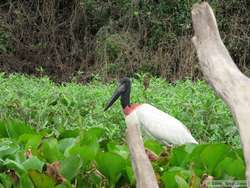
(87, 158)
(140, 36)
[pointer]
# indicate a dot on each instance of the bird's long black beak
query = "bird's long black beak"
(115, 96)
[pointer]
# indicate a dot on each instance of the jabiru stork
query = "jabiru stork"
(156, 123)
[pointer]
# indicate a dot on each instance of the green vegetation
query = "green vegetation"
(43, 104)
(88, 159)
(73, 142)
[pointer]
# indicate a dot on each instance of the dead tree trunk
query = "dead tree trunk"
(222, 74)
(145, 177)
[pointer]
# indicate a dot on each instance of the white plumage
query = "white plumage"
(160, 125)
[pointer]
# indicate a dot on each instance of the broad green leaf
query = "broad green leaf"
(10, 164)
(130, 174)
(195, 159)
(71, 150)
(70, 167)
(96, 131)
(33, 163)
(230, 167)
(178, 156)
(88, 139)
(195, 155)
(213, 154)
(20, 156)
(87, 148)
(41, 180)
(91, 137)
(7, 148)
(50, 150)
(86, 153)
(181, 171)
(65, 143)
(189, 148)
(154, 146)
(121, 150)
(31, 141)
(239, 153)
(181, 182)
(111, 165)
(25, 182)
(5, 180)
(169, 177)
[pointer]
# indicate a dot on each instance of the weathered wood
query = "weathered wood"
(222, 73)
(145, 177)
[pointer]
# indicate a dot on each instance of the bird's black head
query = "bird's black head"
(123, 90)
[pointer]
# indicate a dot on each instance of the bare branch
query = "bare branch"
(145, 177)
(222, 73)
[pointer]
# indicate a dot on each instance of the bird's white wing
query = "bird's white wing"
(163, 126)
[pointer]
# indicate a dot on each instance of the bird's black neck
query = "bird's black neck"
(125, 98)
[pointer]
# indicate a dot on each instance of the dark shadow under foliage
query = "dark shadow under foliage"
(82, 38)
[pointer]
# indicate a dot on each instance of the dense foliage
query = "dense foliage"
(72, 142)
(83, 158)
(113, 38)
(43, 104)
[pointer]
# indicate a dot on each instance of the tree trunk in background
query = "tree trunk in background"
(145, 177)
(221, 72)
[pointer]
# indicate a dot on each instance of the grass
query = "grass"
(45, 104)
